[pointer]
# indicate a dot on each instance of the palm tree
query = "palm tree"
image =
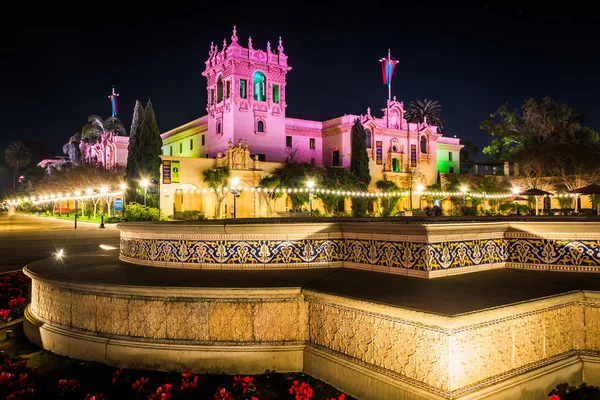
(97, 129)
(17, 154)
(425, 111)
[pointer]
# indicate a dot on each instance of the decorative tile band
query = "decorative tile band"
(388, 255)
(314, 252)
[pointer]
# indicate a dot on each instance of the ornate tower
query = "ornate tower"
(246, 98)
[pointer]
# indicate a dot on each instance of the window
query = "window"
(335, 160)
(191, 144)
(212, 96)
(218, 128)
(311, 143)
(451, 170)
(450, 156)
(313, 161)
(243, 88)
(180, 147)
(261, 157)
(227, 89)
(341, 207)
(395, 165)
(220, 89)
(275, 93)
(368, 134)
(259, 86)
(288, 141)
(170, 150)
(203, 140)
(260, 126)
(423, 145)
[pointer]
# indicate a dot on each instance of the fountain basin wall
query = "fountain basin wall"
(369, 350)
(419, 249)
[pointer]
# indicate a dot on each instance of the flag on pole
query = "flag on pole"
(387, 68)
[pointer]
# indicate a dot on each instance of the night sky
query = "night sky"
(56, 71)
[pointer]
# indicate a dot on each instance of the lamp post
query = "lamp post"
(420, 189)
(123, 188)
(77, 194)
(463, 189)
(310, 184)
(235, 191)
(144, 184)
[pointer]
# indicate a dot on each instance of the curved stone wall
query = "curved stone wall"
(258, 322)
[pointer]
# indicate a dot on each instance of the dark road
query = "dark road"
(25, 238)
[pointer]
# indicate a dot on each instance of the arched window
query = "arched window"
(260, 126)
(218, 128)
(423, 145)
(394, 149)
(259, 82)
(220, 89)
(368, 134)
(395, 165)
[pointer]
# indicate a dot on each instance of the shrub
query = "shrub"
(138, 212)
(189, 215)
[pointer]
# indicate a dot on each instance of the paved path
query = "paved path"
(25, 238)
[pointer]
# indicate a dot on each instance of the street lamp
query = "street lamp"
(310, 184)
(235, 191)
(420, 189)
(144, 184)
(77, 194)
(464, 189)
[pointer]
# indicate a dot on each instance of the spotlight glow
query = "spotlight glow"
(59, 253)
(107, 247)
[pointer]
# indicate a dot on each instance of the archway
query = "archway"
(259, 82)
(188, 197)
(220, 89)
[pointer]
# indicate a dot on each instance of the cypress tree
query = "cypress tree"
(150, 145)
(359, 166)
(133, 149)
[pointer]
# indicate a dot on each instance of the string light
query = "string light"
(103, 192)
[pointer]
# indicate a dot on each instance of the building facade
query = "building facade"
(246, 103)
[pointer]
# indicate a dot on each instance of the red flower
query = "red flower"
(554, 397)
(302, 391)
(222, 394)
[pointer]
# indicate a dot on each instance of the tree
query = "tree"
(426, 111)
(72, 150)
(17, 155)
(295, 176)
(97, 130)
(468, 153)
(388, 203)
(150, 146)
(550, 134)
(132, 173)
(133, 148)
(334, 178)
(216, 179)
(359, 166)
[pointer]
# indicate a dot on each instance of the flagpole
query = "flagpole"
(389, 81)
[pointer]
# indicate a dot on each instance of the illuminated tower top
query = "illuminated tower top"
(113, 101)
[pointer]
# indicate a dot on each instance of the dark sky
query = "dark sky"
(56, 71)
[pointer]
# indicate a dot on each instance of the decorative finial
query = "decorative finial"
(394, 98)
(280, 47)
(250, 43)
(234, 37)
(224, 44)
(369, 111)
(268, 46)
(212, 49)
(216, 49)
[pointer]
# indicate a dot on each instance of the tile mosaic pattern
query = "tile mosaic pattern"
(417, 256)
(554, 251)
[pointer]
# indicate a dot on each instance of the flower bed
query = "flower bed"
(18, 381)
(13, 295)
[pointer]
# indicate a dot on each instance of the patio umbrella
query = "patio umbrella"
(589, 189)
(535, 192)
